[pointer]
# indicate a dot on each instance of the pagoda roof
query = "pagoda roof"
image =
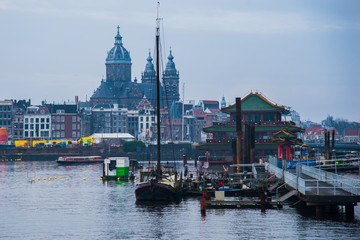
(258, 128)
(212, 146)
(255, 102)
(283, 134)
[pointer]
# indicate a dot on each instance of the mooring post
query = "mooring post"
(319, 211)
(349, 212)
(203, 206)
(238, 133)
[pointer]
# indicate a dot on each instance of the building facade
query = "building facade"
(37, 123)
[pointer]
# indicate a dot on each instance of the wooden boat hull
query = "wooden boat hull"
(156, 191)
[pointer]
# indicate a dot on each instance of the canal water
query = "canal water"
(77, 205)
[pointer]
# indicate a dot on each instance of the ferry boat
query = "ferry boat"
(68, 160)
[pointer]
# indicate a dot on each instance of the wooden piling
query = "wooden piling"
(238, 133)
(203, 206)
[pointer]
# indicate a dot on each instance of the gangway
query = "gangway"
(318, 187)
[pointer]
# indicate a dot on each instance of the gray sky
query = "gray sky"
(303, 54)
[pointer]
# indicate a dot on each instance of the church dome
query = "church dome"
(170, 65)
(149, 68)
(118, 54)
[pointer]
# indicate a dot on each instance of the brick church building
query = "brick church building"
(118, 88)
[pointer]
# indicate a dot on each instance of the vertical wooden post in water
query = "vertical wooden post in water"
(333, 144)
(252, 143)
(238, 133)
(325, 145)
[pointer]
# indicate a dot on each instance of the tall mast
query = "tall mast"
(158, 167)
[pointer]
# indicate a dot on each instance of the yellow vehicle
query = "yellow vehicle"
(38, 143)
(22, 143)
(86, 141)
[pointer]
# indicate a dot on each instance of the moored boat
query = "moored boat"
(159, 186)
(68, 160)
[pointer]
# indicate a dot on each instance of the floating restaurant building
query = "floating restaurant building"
(269, 128)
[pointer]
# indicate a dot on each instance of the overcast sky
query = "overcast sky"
(302, 54)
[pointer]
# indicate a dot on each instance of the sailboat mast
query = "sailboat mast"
(158, 167)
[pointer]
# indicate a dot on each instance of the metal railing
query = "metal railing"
(337, 183)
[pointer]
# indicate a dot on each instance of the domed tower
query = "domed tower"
(118, 64)
(171, 81)
(223, 102)
(148, 76)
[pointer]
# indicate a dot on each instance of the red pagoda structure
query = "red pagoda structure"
(267, 119)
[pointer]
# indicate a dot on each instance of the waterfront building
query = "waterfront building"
(18, 118)
(351, 136)
(85, 118)
(6, 115)
(118, 88)
(257, 110)
(37, 122)
(65, 121)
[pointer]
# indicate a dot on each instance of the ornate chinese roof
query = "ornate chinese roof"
(255, 102)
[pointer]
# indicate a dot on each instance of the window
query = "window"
(53, 134)
(62, 119)
(26, 120)
(26, 134)
(114, 118)
(52, 119)
(57, 134)
(141, 119)
(37, 120)
(119, 129)
(58, 118)
(114, 124)
(0, 115)
(42, 126)
(119, 124)
(74, 118)
(47, 126)
(42, 120)
(147, 125)
(57, 126)
(53, 128)
(62, 134)
(31, 126)
(62, 126)
(26, 126)
(147, 119)
(47, 120)
(124, 124)
(74, 134)
(31, 134)
(31, 120)
(74, 127)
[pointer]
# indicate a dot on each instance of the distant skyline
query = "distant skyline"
(300, 54)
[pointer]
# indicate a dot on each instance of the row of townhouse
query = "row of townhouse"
(72, 120)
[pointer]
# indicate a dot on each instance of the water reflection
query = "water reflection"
(93, 209)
